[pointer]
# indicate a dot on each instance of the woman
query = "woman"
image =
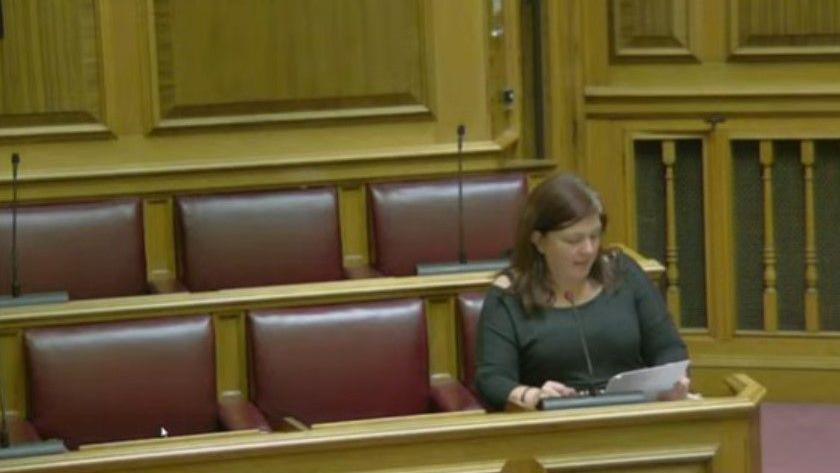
(560, 282)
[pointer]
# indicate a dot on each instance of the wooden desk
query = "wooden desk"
(712, 435)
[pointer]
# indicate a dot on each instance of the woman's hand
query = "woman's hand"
(555, 389)
(529, 396)
(679, 391)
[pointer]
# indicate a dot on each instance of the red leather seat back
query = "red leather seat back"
(469, 309)
(258, 239)
(338, 363)
(90, 250)
(417, 222)
(123, 380)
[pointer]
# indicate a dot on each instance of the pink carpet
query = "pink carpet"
(800, 438)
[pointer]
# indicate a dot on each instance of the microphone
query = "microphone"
(16, 299)
(14, 255)
(570, 297)
(462, 252)
(595, 398)
(462, 265)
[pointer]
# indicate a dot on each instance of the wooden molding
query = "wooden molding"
(269, 171)
(633, 102)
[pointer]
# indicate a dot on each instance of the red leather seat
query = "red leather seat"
(417, 222)
(89, 250)
(333, 363)
(258, 238)
(469, 310)
(124, 380)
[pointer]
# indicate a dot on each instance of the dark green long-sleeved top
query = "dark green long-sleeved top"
(626, 329)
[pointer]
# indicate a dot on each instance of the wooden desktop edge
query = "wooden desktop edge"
(192, 438)
(396, 420)
(138, 454)
(275, 296)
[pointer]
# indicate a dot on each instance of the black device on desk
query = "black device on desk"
(588, 400)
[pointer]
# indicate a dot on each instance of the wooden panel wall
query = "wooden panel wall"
(151, 97)
(154, 98)
(723, 75)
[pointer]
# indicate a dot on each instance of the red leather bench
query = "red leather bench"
(344, 362)
(258, 238)
(127, 380)
(417, 222)
(89, 250)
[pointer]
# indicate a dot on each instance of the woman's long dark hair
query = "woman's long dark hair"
(558, 202)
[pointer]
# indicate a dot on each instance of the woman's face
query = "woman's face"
(570, 252)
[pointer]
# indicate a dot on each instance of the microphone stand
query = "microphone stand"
(462, 265)
(570, 298)
(595, 398)
(14, 255)
(16, 299)
(462, 252)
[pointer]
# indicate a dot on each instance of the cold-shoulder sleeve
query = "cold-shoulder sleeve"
(661, 343)
(498, 355)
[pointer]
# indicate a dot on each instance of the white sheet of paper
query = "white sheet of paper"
(650, 381)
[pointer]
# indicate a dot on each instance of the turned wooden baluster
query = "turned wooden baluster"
(770, 297)
(812, 312)
(672, 293)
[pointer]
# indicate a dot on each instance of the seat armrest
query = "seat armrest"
(237, 413)
(450, 395)
(165, 285)
(361, 272)
(21, 430)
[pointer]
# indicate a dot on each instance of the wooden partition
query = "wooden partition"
(715, 435)
(711, 130)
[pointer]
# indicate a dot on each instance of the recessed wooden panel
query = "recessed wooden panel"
(50, 68)
(698, 459)
(650, 28)
(785, 27)
(221, 62)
